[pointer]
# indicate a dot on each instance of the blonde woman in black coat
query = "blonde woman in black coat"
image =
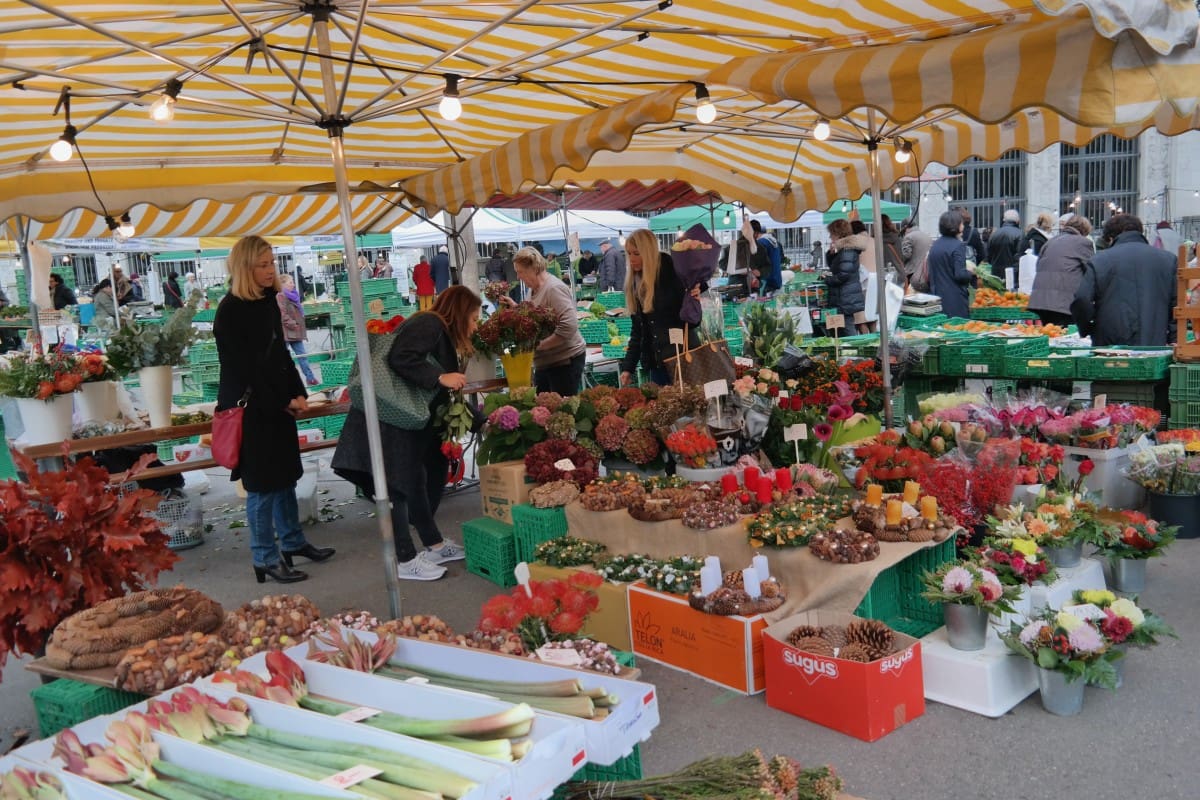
(257, 372)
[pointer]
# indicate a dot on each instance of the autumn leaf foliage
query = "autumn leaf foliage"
(69, 540)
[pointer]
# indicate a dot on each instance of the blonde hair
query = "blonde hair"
(639, 287)
(531, 258)
(242, 258)
(1045, 221)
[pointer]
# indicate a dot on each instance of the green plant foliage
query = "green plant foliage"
(136, 346)
(767, 333)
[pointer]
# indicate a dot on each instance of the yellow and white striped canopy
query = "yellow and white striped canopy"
(255, 107)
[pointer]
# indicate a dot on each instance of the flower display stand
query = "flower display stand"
(1088, 575)
(989, 682)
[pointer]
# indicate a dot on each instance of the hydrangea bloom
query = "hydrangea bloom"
(540, 414)
(560, 425)
(506, 418)
(957, 581)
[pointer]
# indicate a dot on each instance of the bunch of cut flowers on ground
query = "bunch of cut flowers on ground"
(1016, 562)
(1065, 642)
(543, 611)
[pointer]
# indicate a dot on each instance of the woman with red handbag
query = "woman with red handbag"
(257, 375)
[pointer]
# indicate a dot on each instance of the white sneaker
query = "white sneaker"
(419, 569)
(449, 551)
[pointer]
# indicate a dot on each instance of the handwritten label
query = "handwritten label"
(1100, 400)
(835, 320)
(675, 335)
(1085, 611)
(351, 777)
(358, 714)
(717, 388)
(560, 656)
(795, 433)
(565, 464)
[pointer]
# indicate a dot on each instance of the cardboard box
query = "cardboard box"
(310, 435)
(190, 452)
(609, 623)
(866, 701)
(724, 650)
(502, 486)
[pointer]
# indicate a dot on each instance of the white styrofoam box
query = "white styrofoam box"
(630, 721)
(1107, 480)
(74, 787)
(1088, 575)
(196, 482)
(201, 758)
(989, 681)
(495, 779)
(308, 507)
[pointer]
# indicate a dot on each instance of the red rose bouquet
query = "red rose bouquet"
(543, 611)
(1137, 536)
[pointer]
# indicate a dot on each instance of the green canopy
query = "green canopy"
(895, 211)
(680, 219)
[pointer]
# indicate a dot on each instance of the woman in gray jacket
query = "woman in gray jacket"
(1060, 267)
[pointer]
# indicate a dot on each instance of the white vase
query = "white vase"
(97, 401)
(1021, 608)
(156, 394)
(46, 421)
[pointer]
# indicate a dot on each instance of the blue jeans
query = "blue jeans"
(269, 514)
(661, 375)
(298, 349)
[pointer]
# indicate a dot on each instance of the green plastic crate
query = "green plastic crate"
(63, 703)
(1127, 368)
(205, 315)
(371, 288)
(491, 550)
(203, 352)
(895, 596)
(624, 325)
(166, 448)
(625, 658)
(332, 425)
(317, 358)
(8, 471)
(209, 392)
(1185, 382)
(336, 372)
(1135, 394)
(594, 331)
(1184, 414)
(912, 322)
(627, 768)
(611, 299)
(1002, 314)
(206, 373)
(985, 357)
(187, 398)
(613, 350)
(532, 526)
(1055, 366)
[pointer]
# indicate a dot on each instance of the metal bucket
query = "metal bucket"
(1177, 509)
(1066, 556)
(1059, 696)
(966, 626)
(1129, 574)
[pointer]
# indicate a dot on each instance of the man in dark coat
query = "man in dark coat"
(440, 265)
(1004, 245)
(1128, 292)
(948, 275)
(61, 294)
(612, 268)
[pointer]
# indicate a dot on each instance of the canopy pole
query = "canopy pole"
(35, 328)
(562, 207)
(383, 507)
(880, 270)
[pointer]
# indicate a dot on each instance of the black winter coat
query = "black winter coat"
(254, 356)
(1004, 248)
(650, 338)
(845, 288)
(948, 276)
(1128, 294)
(408, 456)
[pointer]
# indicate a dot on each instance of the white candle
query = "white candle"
(713, 561)
(710, 580)
(763, 569)
(750, 581)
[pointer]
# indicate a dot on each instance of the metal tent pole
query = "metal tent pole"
(880, 271)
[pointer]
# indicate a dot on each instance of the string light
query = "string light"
(903, 150)
(726, 219)
(62, 149)
(896, 191)
(621, 238)
(162, 110)
(706, 112)
(845, 206)
(949, 197)
(450, 107)
(126, 228)
(679, 233)
(821, 130)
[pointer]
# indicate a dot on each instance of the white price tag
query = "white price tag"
(358, 714)
(351, 777)
(717, 388)
(560, 656)
(565, 464)
(795, 433)
(1085, 611)
(675, 335)
(1100, 400)
(783, 394)
(835, 320)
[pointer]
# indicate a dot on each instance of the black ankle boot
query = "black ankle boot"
(283, 573)
(310, 552)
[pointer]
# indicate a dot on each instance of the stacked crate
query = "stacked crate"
(205, 375)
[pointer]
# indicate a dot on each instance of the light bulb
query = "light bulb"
(949, 197)
(896, 191)
(845, 206)
(902, 156)
(706, 112)
(821, 130)
(450, 108)
(679, 233)
(126, 229)
(621, 240)
(162, 110)
(726, 219)
(61, 150)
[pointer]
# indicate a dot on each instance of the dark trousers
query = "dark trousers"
(1055, 318)
(563, 378)
(419, 505)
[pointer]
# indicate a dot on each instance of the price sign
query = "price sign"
(351, 777)
(1100, 400)
(717, 388)
(561, 656)
(835, 320)
(1085, 611)
(358, 714)
(795, 433)
(675, 335)
(783, 394)
(565, 464)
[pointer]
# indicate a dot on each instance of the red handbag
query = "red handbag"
(227, 434)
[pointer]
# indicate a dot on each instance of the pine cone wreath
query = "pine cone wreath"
(921, 533)
(734, 579)
(815, 645)
(855, 652)
(876, 637)
(803, 632)
(770, 589)
(834, 634)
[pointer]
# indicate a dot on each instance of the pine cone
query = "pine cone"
(803, 632)
(891, 533)
(873, 635)
(869, 518)
(834, 634)
(921, 534)
(770, 589)
(855, 652)
(815, 645)
(733, 579)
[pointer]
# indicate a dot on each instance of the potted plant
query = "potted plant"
(513, 334)
(1129, 544)
(42, 387)
(73, 541)
(968, 593)
(695, 450)
(98, 392)
(151, 351)
(1019, 563)
(1123, 623)
(1070, 652)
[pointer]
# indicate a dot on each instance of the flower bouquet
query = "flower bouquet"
(1172, 468)
(1016, 562)
(543, 611)
(1065, 643)
(515, 330)
(695, 257)
(1039, 462)
(1123, 621)
(967, 583)
(692, 446)
(1136, 536)
(26, 376)
(495, 290)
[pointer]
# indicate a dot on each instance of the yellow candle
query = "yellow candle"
(912, 490)
(929, 508)
(894, 511)
(874, 494)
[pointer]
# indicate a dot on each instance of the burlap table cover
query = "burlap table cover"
(808, 582)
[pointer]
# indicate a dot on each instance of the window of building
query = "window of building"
(989, 188)
(1098, 178)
